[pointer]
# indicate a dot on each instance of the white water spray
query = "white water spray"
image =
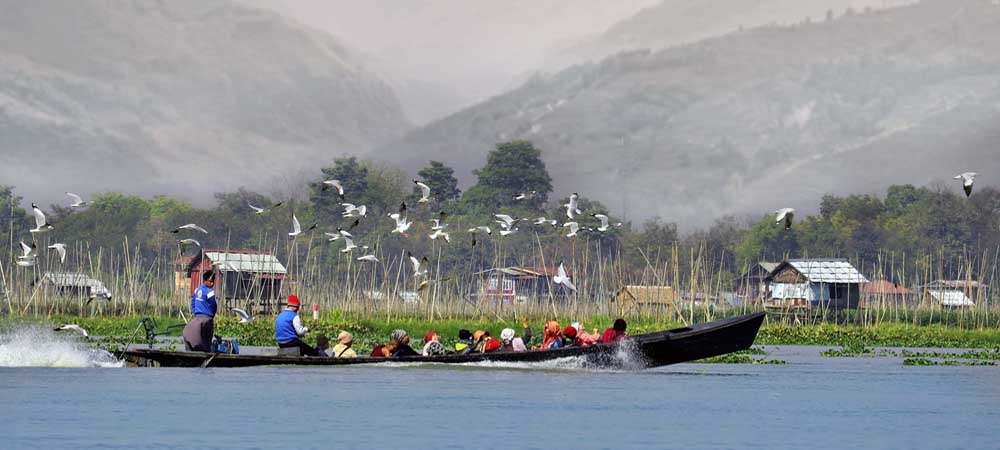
(34, 346)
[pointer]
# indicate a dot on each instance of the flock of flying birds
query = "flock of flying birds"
(507, 225)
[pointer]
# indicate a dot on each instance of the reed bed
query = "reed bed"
(143, 283)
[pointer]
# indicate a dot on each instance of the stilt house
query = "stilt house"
(810, 283)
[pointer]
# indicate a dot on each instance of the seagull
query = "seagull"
(506, 221)
(334, 184)
(563, 279)
(350, 245)
(967, 179)
(297, 228)
(255, 209)
(77, 201)
(572, 208)
(604, 222)
(72, 327)
(27, 259)
(544, 221)
(368, 258)
(350, 210)
(61, 248)
(189, 226)
(439, 222)
(786, 215)
(427, 283)
(244, 317)
(40, 225)
(507, 232)
(402, 225)
(425, 191)
(481, 229)
(573, 228)
(333, 236)
(525, 195)
(416, 265)
(186, 242)
(440, 233)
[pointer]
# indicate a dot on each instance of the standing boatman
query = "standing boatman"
(288, 329)
(198, 333)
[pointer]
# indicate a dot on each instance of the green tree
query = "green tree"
(13, 218)
(767, 241)
(512, 168)
(441, 179)
(353, 176)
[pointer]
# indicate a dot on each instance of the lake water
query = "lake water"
(812, 402)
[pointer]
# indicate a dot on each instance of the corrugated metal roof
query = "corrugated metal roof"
(828, 271)
(80, 280)
(246, 262)
(951, 298)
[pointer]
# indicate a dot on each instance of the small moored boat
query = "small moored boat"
(639, 351)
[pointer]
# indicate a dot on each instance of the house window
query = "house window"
(492, 285)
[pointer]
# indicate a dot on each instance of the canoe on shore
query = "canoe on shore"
(639, 351)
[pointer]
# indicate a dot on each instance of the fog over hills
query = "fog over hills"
(183, 97)
(674, 22)
(754, 120)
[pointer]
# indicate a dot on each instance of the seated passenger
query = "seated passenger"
(465, 343)
(432, 345)
(322, 345)
(401, 344)
(583, 338)
(551, 336)
(484, 342)
(288, 329)
(343, 348)
(516, 344)
(615, 333)
(569, 337)
(382, 350)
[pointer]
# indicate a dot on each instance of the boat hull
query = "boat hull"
(640, 351)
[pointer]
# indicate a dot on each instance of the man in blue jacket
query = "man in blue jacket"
(288, 329)
(199, 331)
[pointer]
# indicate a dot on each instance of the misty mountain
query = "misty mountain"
(189, 97)
(675, 22)
(754, 120)
(444, 55)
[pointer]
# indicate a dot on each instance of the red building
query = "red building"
(254, 277)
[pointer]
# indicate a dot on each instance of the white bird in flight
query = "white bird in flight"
(604, 222)
(481, 229)
(440, 233)
(185, 242)
(784, 215)
(334, 184)
(425, 191)
(297, 227)
(525, 195)
(572, 208)
(417, 264)
(61, 249)
(27, 258)
(544, 221)
(40, 225)
(258, 210)
(967, 179)
(244, 317)
(439, 222)
(77, 201)
(73, 327)
(368, 258)
(573, 228)
(563, 279)
(350, 210)
(189, 226)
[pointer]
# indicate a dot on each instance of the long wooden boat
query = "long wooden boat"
(639, 351)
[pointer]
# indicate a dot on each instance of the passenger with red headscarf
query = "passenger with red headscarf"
(569, 336)
(615, 333)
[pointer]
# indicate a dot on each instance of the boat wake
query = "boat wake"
(35, 346)
(627, 358)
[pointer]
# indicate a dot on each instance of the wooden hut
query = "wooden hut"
(753, 284)
(506, 285)
(806, 283)
(885, 292)
(76, 285)
(636, 297)
(255, 277)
